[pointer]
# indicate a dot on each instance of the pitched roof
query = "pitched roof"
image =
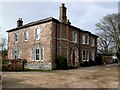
(34, 23)
(47, 20)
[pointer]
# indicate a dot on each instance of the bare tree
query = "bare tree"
(110, 30)
(3, 43)
(104, 42)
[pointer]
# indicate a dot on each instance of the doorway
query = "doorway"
(74, 56)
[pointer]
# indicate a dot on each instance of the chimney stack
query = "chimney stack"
(62, 16)
(19, 22)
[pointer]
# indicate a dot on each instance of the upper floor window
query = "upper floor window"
(93, 42)
(16, 37)
(37, 33)
(25, 35)
(87, 40)
(74, 36)
(83, 39)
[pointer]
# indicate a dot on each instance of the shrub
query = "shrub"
(85, 64)
(13, 65)
(61, 63)
(118, 55)
(92, 63)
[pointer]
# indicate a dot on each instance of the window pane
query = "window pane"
(87, 55)
(93, 41)
(41, 51)
(41, 57)
(16, 37)
(83, 55)
(83, 39)
(87, 39)
(25, 35)
(37, 51)
(37, 33)
(92, 56)
(37, 57)
(74, 36)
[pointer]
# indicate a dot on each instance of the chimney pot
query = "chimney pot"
(68, 21)
(20, 19)
(63, 4)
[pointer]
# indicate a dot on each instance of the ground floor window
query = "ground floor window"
(85, 55)
(37, 54)
(15, 53)
(92, 56)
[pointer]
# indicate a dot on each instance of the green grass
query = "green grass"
(25, 69)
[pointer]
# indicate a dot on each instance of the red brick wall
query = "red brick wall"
(65, 44)
(26, 47)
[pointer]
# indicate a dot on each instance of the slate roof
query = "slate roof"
(47, 20)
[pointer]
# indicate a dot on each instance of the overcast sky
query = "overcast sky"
(81, 14)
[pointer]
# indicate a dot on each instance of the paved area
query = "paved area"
(103, 76)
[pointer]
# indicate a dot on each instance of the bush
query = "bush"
(118, 55)
(13, 65)
(85, 64)
(92, 63)
(61, 63)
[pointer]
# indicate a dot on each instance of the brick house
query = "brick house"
(40, 42)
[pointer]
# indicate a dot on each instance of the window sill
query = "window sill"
(25, 40)
(83, 60)
(74, 41)
(37, 39)
(38, 60)
(16, 42)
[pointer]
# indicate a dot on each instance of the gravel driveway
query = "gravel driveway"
(103, 76)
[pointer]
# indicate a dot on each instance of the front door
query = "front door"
(74, 56)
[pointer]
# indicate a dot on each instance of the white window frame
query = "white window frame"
(74, 36)
(87, 55)
(87, 40)
(16, 37)
(84, 55)
(37, 53)
(41, 54)
(37, 33)
(93, 42)
(15, 52)
(93, 56)
(25, 37)
(83, 39)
